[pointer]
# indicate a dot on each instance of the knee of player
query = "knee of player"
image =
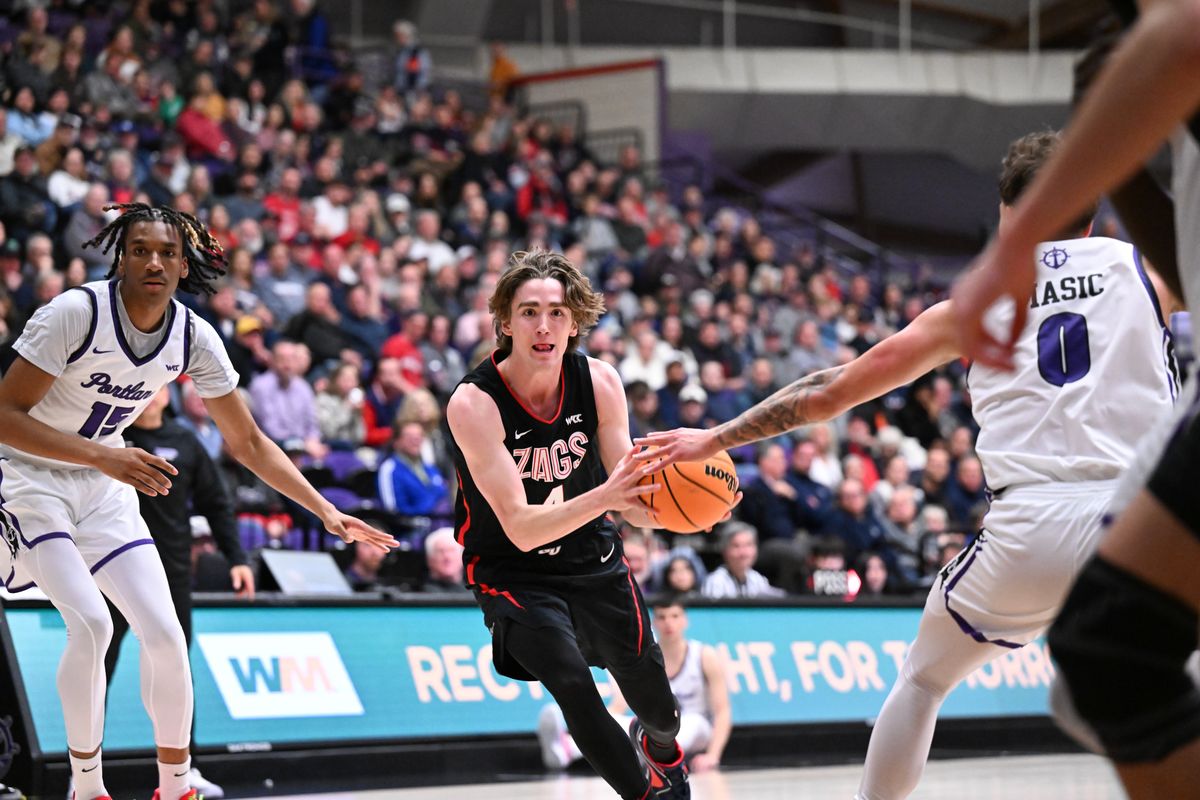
(161, 636)
(96, 623)
(570, 681)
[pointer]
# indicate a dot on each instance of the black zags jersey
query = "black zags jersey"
(558, 459)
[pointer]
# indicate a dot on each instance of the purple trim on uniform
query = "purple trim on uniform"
(119, 332)
(91, 334)
(1168, 338)
(7, 582)
(8, 515)
(1141, 270)
(963, 625)
(118, 551)
(187, 340)
(39, 539)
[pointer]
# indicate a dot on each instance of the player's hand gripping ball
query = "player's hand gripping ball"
(695, 495)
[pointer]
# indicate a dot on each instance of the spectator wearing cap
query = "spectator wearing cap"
(736, 576)
(248, 350)
(692, 403)
(283, 286)
(68, 184)
(398, 209)
(25, 207)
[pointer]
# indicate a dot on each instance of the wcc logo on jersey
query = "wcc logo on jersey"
(275, 675)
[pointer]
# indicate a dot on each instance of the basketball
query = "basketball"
(693, 495)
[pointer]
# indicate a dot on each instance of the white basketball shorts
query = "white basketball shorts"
(100, 515)
(1008, 585)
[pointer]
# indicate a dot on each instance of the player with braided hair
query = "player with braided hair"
(87, 364)
(204, 254)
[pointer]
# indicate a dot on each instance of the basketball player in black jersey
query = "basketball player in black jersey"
(535, 429)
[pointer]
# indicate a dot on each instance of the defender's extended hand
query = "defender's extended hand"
(352, 529)
(682, 444)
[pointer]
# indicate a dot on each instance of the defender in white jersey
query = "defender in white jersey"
(1130, 623)
(1094, 372)
(88, 362)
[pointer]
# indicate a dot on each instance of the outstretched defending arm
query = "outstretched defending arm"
(927, 342)
(251, 447)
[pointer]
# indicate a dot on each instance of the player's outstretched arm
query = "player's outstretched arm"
(927, 342)
(23, 387)
(1146, 89)
(479, 432)
(251, 447)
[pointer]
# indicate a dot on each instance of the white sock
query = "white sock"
(88, 777)
(173, 780)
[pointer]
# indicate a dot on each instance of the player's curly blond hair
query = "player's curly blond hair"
(586, 305)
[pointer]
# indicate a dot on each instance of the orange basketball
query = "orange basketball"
(694, 495)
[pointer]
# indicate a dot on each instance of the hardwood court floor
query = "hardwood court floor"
(1056, 777)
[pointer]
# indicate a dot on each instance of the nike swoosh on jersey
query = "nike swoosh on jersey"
(611, 550)
(100, 352)
(519, 434)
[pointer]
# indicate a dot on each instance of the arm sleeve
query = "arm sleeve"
(211, 499)
(209, 365)
(55, 331)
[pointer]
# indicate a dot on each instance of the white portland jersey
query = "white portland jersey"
(688, 684)
(1094, 370)
(101, 384)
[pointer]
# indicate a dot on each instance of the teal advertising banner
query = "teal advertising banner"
(281, 675)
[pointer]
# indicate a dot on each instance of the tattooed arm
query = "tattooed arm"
(927, 342)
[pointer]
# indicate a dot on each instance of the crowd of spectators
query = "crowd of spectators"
(365, 224)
